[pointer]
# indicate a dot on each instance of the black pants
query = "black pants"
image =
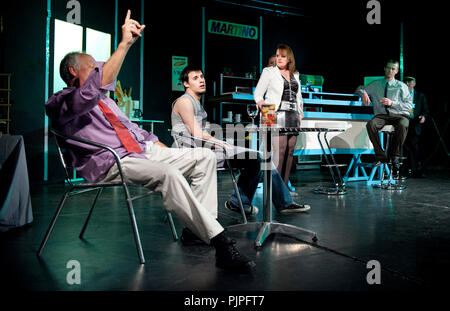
(400, 124)
(411, 147)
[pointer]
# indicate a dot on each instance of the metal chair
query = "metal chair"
(339, 187)
(393, 181)
(177, 137)
(75, 189)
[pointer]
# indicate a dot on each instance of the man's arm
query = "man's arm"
(364, 92)
(261, 87)
(184, 108)
(158, 143)
(424, 113)
(131, 30)
(65, 105)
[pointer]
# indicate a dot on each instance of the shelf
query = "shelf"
(241, 78)
(233, 96)
(221, 82)
(6, 102)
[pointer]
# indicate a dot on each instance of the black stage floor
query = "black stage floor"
(408, 233)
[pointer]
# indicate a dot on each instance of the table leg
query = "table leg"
(267, 169)
(267, 226)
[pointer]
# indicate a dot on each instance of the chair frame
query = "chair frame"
(176, 136)
(75, 189)
(391, 183)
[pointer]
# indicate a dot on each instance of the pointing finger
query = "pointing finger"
(128, 15)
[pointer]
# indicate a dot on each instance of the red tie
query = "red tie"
(124, 135)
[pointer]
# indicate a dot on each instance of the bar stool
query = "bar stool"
(393, 181)
(339, 187)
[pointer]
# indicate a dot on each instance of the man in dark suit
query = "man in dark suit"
(418, 116)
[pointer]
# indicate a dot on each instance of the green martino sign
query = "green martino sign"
(233, 30)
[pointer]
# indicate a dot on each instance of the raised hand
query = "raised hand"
(131, 30)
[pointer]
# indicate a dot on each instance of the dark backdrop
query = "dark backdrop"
(332, 39)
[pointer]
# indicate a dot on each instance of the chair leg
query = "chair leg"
(236, 190)
(383, 169)
(137, 238)
(341, 183)
(52, 224)
(172, 226)
(390, 173)
(90, 213)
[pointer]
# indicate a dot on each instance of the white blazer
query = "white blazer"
(270, 88)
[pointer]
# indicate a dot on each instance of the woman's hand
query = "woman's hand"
(260, 103)
(300, 117)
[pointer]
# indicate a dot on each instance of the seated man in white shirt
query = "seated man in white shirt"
(391, 104)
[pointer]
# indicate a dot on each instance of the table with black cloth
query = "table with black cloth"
(15, 199)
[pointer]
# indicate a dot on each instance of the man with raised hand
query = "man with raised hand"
(83, 109)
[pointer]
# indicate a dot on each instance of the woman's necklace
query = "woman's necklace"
(286, 75)
(289, 81)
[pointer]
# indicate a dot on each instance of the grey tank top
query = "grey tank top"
(178, 125)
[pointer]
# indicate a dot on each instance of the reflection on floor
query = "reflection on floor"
(407, 232)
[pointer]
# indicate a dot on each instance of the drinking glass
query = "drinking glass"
(252, 111)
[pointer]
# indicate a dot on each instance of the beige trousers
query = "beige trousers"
(169, 171)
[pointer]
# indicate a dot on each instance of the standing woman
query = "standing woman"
(280, 85)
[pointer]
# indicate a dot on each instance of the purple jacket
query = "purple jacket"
(74, 111)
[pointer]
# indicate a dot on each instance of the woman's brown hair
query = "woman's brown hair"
(290, 56)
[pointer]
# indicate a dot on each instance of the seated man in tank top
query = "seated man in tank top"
(189, 117)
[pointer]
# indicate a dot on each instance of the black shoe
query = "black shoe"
(397, 162)
(400, 177)
(188, 238)
(249, 210)
(395, 173)
(227, 255)
(295, 208)
(380, 160)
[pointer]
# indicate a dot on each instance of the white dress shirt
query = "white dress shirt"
(397, 91)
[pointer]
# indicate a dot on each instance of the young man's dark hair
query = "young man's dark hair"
(184, 76)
